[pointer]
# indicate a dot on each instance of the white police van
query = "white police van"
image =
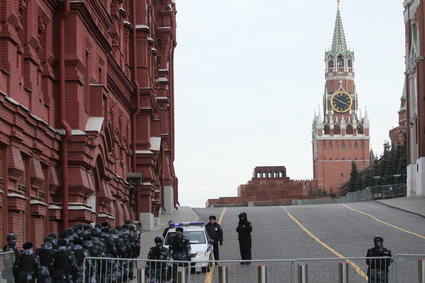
(200, 243)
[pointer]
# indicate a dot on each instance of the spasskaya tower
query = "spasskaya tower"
(340, 132)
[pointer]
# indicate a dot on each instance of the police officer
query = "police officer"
(216, 234)
(54, 240)
(62, 263)
(45, 254)
(244, 230)
(167, 228)
(378, 268)
(26, 265)
(159, 271)
(180, 249)
(78, 254)
(136, 236)
(9, 273)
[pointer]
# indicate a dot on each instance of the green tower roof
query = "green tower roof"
(339, 43)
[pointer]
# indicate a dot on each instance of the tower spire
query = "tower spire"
(337, 4)
(339, 43)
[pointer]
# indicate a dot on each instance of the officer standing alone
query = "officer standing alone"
(244, 230)
(378, 268)
(216, 233)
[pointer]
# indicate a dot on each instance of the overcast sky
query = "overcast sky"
(249, 75)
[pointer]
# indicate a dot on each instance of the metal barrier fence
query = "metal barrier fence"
(353, 269)
(408, 269)
(6, 263)
(401, 268)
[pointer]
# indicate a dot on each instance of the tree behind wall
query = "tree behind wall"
(354, 176)
(389, 168)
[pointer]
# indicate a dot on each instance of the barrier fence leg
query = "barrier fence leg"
(141, 276)
(421, 265)
(181, 275)
(302, 273)
(262, 274)
(223, 277)
(343, 272)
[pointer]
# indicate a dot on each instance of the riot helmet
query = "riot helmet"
(378, 241)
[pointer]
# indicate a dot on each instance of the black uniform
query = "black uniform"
(159, 271)
(378, 268)
(244, 230)
(216, 233)
(62, 271)
(45, 254)
(180, 250)
(26, 266)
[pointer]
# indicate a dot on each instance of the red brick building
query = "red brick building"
(269, 186)
(414, 12)
(86, 113)
(398, 135)
(340, 132)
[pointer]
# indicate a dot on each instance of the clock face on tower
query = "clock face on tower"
(341, 101)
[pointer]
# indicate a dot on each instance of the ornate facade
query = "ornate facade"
(414, 12)
(340, 132)
(87, 113)
(398, 135)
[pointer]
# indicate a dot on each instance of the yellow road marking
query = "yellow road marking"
(208, 277)
(355, 266)
(386, 223)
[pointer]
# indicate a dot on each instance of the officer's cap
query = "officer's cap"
(179, 229)
(27, 245)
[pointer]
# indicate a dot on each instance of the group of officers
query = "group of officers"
(378, 257)
(61, 259)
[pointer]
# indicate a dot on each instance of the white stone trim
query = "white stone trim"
(358, 160)
(155, 143)
(36, 201)
(144, 152)
(54, 206)
(15, 195)
(162, 80)
(339, 137)
(105, 215)
(94, 124)
(78, 133)
(142, 27)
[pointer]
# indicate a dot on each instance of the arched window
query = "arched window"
(349, 63)
(330, 145)
(337, 130)
(340, 62)
(343, 145)
(356, 145)
(330, 62)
